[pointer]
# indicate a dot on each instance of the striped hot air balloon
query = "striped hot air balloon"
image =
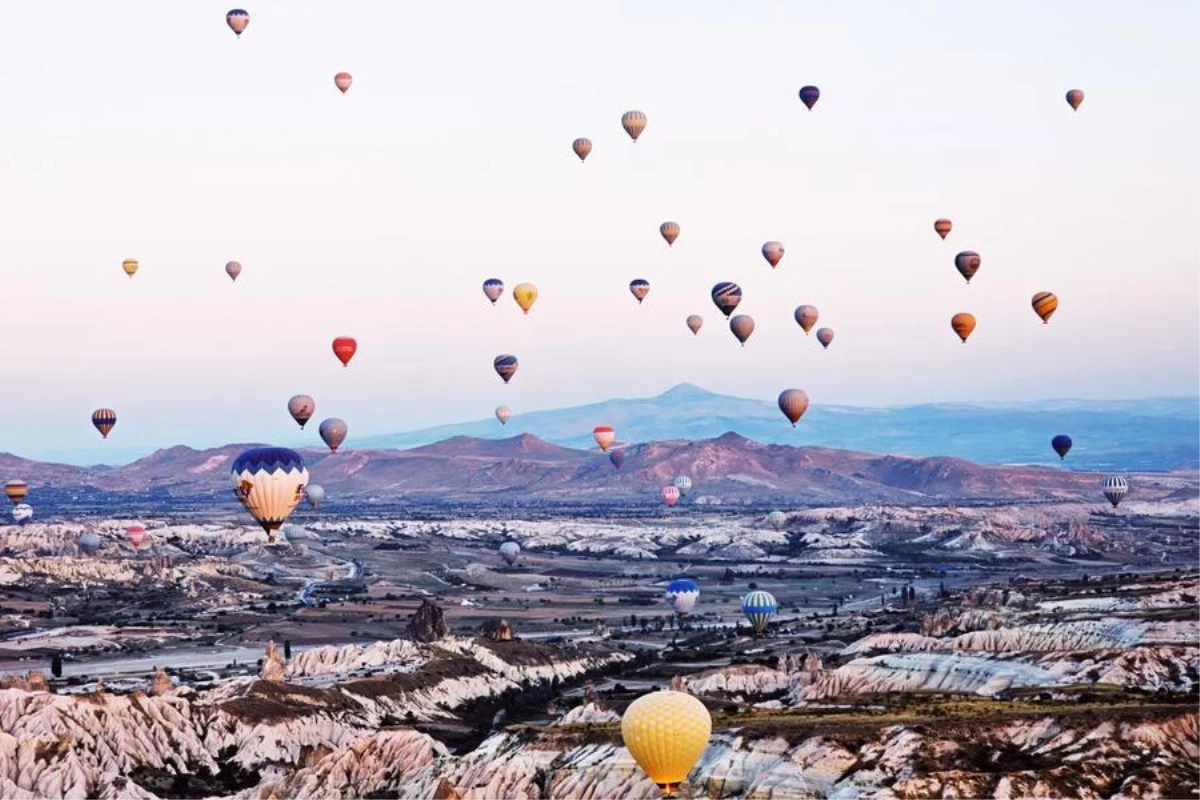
(16, 491)
(604, 436)
(793, 403)
(726, 296)
(684, 484)
(681, 595)
(104, 419)
(669, 231)
(634, 122)
(694, 323)
(237, 20)
(967, 263)
(639, 288)
(777, 519)
(759, 607)
(582, 148)
(269, 482)
(130, 266)
(1044, 305)
(670, 495)
(493, 288)
(942, 226)
(505, 366)
(1115, 489)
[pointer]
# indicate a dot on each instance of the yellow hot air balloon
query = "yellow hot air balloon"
(666, 733)
(525, 294)
(130, 265)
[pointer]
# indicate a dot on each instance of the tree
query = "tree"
(56, 665)
(287, 648)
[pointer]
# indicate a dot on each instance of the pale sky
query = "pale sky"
(148, 130)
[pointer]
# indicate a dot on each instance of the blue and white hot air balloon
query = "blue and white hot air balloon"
(269, 482)
(759, 607)
(682, 594)
(22, 513)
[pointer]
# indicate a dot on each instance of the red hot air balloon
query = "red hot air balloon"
(342, 81)
(344, 347)
(136, 535)
(670, 495)
(604, 436)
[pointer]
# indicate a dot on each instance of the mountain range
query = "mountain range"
(1148, 434)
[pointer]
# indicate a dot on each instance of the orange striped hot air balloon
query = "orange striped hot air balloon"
(16, 491)
(1044, 305)
(634, 122)
(582, 148)
(669, 231)
(130, 265)
(793, 403)
(942, 226)
(104, 419)
(963, 324)
(604, 436)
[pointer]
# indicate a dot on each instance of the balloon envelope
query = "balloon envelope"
(237, 20)
(639, 288)
(942, 226)
(694, 323)
(342, 81)
(670, 495)
(617, 457)
(493, 288)
(669, 231)
(967, 263)
(793, 403)
(16, 490)
(315, 494)
(759, 607)
(604, 436)
(1044, 305)
(344, 347)
(505, 366)
(681, 595)
(582, 148)
(777, 519)
(772, 252)
(503, 413)
(104, 419)
(1075, 98)
(22, 513)
(726, 296)
(333, 432)
(89, 542)
(825, 336)
(1115, 488)
(233, 269)
(809, 95)
(634, 122)
(963, 324)
(666, 733)
(136, 534)
(269, 482)
(806, 316)
(130, 265)
(742, 325)
(301, 407)
(1061, 444)
(525, 294)
(510, 552)
(684, 484)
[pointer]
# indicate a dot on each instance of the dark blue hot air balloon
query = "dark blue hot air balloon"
(809, 95)
(1061, 445)
(617, 457)
(726, 296)
(682, 594)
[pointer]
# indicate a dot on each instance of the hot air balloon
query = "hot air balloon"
(617, 457)
(634, 122)
(793, 403)
(694, 323)
(503, 413)
(342, 81)
(777, 519)
(582, 148)
(16, 490)
(505, 366)
(525, 294)
(666, 733)
(269, 482)
(104, 419)
(669, 231)
(942, 226)
(510, 552)
(301, 407)
(344, 347)
(773, 253)
(639, 288)
(233, 269)
(967, 263)
(809, 95)
(759, 607)
(136, 534)
(670, 495)
(237, 20)
(1075, 99)
(315, 494)
(806, 317)
(89, 542)
(1061, 444)
(1115, 488)
(22, 513)
(726, 296)
(604, 436)
(130, 265)
(684, 484)
(963, 323)
(681, 595)
(493, 288)
(1044, 305)
(742, 325)
(825, 336)
(333, 432)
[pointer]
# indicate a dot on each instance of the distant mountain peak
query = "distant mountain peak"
(686, 391)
